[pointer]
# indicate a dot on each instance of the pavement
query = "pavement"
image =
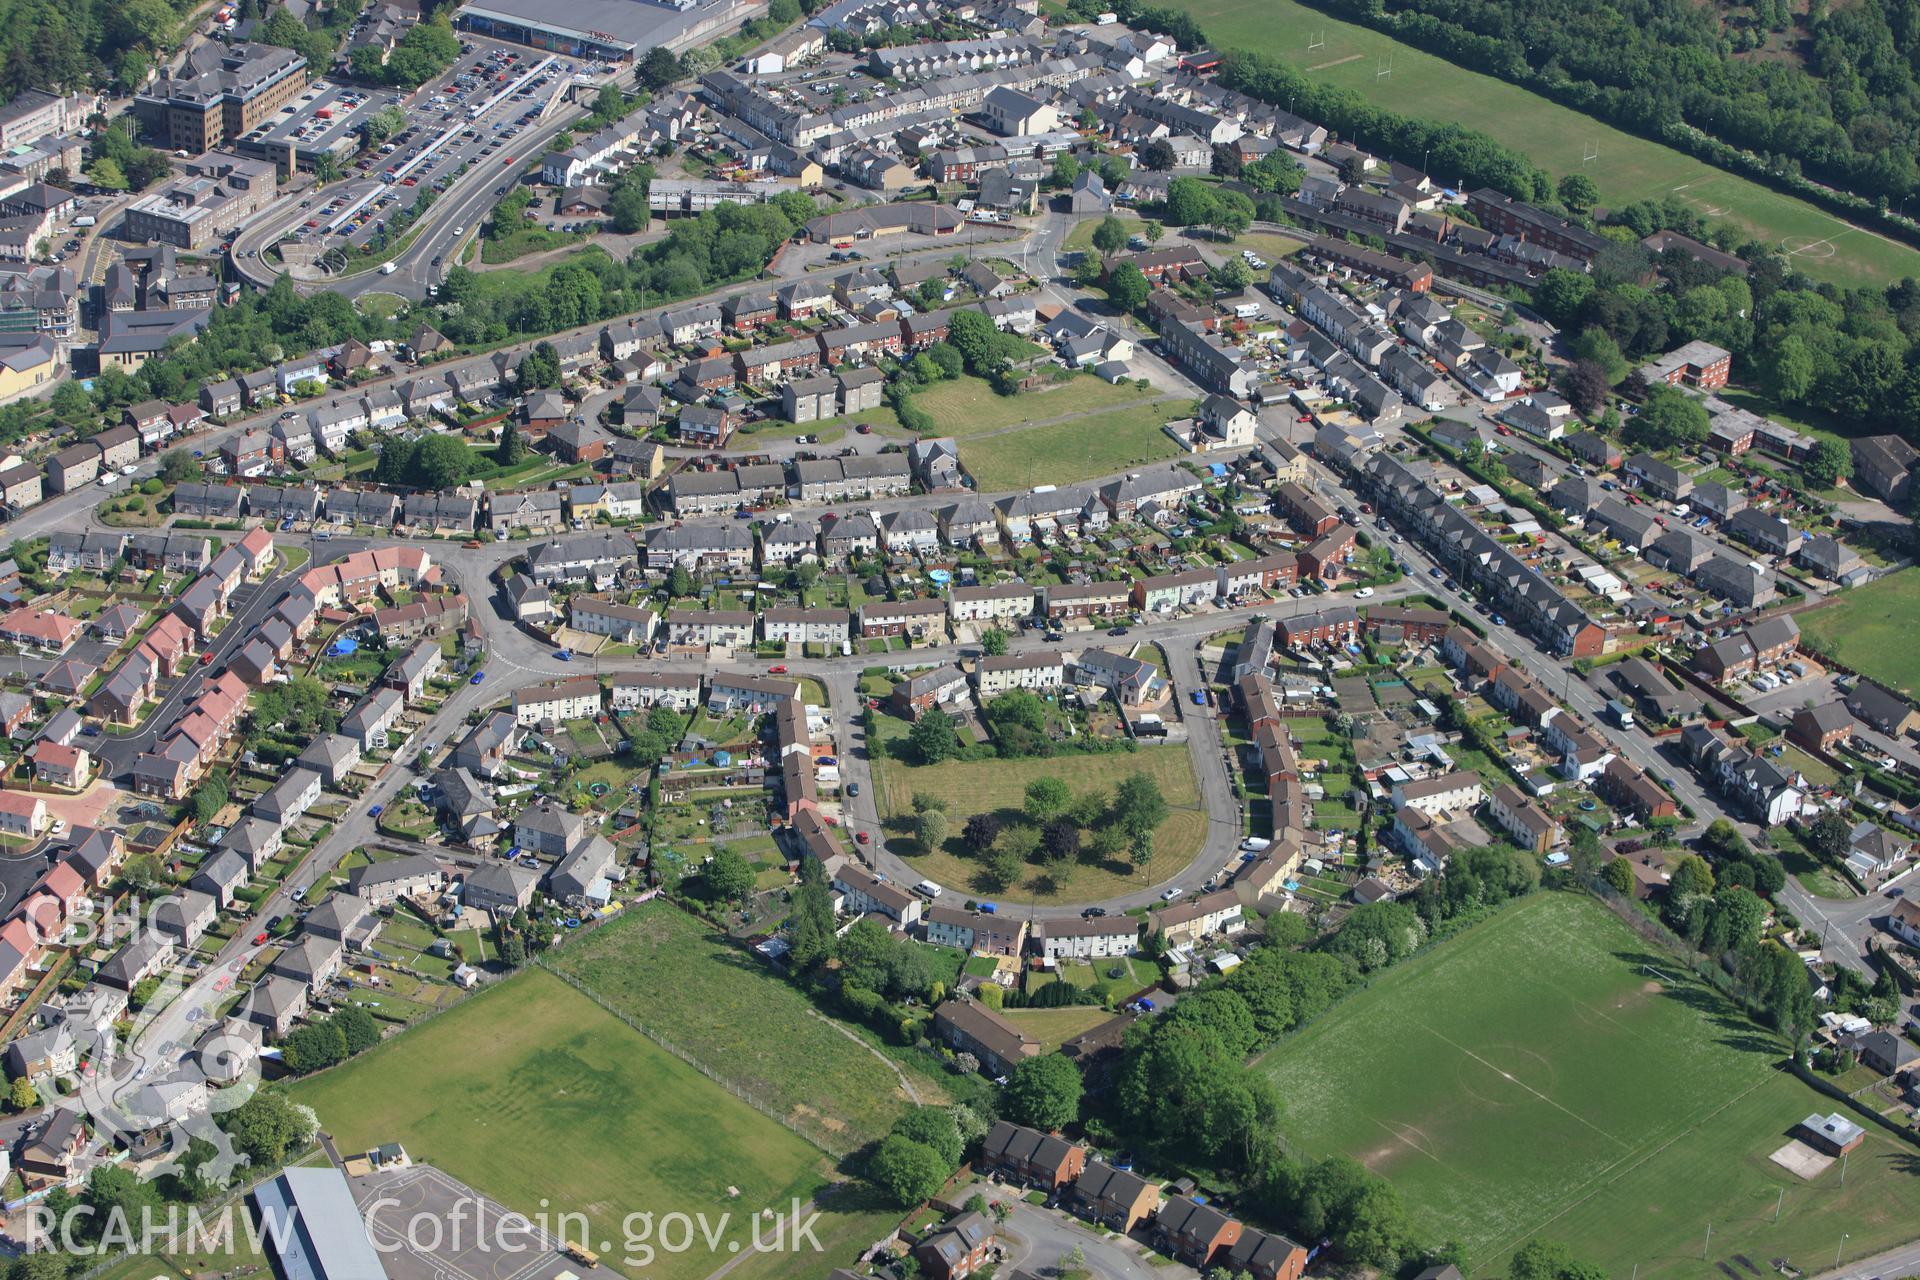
(1894, 1264)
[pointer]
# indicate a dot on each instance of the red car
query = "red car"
(259, 939)
(779, 669)
(860, 838)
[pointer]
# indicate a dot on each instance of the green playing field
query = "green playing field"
(1548, 1073)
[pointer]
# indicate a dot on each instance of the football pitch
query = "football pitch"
(1415, 82)
(1548, 1073)
(538, 1097)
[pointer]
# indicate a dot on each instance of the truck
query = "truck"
(388, 268)
(85, 220)
(1620, 713)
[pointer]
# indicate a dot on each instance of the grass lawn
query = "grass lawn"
(662, 968)
(968, 407)
(1078, 449)
(1531, 1077)
(1054, 1027)
(976, 786)
(1267, 244)
(1628, 168)
(532, 1093)
(531, 238)
(1870, 628)
(379, 306)
(1080, 239)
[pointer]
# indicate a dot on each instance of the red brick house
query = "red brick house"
(1039, 1159)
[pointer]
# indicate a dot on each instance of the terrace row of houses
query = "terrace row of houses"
(1189, 1228)
(1474, 555)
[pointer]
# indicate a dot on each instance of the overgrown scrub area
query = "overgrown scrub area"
(686, 985)
(724, 245)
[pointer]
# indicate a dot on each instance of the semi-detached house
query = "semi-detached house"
(863, 893)
(575, 698)
(633, 690)
(710, 628)
(1094, 938)
(806, 626)
(999, 602)
(1163, 593)
(1040, 669)
(918, 619)
(976, 932)
(967, 1027)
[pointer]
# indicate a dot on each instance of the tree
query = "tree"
(508, 945)
(1619, 874)
(1191, 203)
(1596, 344)
(1127, 287)
(1830, 460)
(511, 448)
(658, 69)
(1670, 419)
(728, 876)
(22, 1096)
(810, 930)
(107, 174)
(1060, 838)
(426, 462)
(930, 829)
(209, 798)
(46, 1264)
(1138, 806)
(1047, 797)
(680, 582)
(359, 1028)
(933, 1127)
(1110, 236)
(1586, 387)
(314, 1046)
(1157, 155)
(1153, 231)
(178, 466)
(1828, 836)
(1043, 1092)
(932, 738)
(118, 1194)
(268, 1125)
(994, 643)
(1578, 192)
(1231, 276)
(1691, 876)
(540, 367)
(1001, 868)
(907, 1172)
(980, 831)
(1550, 1260)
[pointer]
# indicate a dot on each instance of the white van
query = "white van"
(927, 889)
